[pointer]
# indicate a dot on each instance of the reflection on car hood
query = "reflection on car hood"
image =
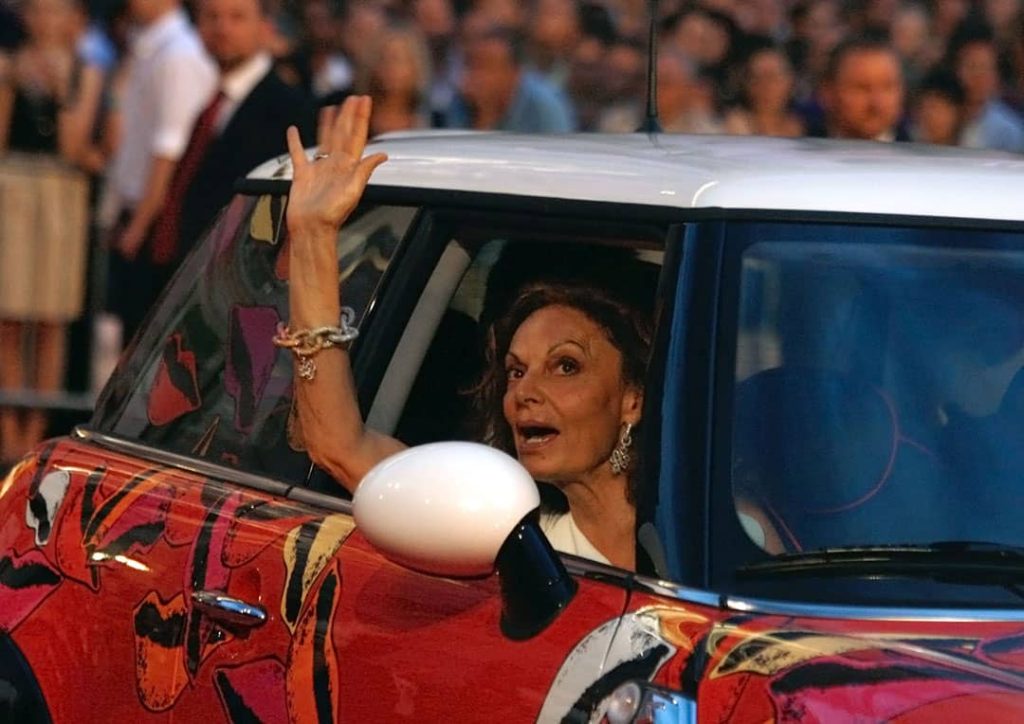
(889, 672)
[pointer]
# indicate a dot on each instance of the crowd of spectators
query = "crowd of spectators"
(939, 71)
(158, 104)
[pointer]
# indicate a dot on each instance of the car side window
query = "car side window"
(204, 379)
(428, 391)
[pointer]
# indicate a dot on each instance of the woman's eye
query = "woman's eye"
(568, 366)
(513, 373)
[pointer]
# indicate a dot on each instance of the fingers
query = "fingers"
(368, 165)
(324, 128)
(359, 129)
(342, 131)
(295, 150)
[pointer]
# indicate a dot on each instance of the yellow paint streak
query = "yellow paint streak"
(332, 533)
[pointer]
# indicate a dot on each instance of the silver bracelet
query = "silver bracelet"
(305, 343)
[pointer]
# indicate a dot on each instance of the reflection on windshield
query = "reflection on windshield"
(879, 394)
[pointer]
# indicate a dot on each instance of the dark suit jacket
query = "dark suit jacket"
(254, 134)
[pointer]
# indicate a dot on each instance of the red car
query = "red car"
(829, 519)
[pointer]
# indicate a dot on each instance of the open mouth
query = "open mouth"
(535, 435)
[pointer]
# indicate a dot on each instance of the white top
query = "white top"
(566, 537)
(238, 83)
(170, 80)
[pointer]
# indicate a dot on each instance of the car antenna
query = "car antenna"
(650, 123)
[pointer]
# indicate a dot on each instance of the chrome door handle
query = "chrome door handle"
(227, 610)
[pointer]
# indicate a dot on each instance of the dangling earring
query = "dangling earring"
(620, 455)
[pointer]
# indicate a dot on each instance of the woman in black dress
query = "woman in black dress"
(43, 219)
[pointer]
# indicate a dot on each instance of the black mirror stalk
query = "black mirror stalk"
(535, 586)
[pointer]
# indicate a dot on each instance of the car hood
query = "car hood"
(829, 670)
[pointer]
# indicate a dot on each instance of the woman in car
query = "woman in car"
(563, 391)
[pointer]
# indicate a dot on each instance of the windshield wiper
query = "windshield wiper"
(955, 561)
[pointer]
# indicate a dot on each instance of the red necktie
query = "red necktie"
(165, 232)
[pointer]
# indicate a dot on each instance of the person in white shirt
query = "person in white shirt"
(170, 78)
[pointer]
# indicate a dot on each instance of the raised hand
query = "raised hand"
(326, 190)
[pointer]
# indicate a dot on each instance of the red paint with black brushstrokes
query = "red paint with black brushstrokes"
(41, 466)
(159, 627)
(312, 674)
(132, 633)
(293, 593)
(247, 536)
(175, 390)
(80, 506)
(205, 572)
(25, 582)
(368, 632)
(253, 692)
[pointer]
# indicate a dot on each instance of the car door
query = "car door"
(419, 647)
(114, 563)
(138, 590)
(115, 546)
(430, 647)
(154, 567)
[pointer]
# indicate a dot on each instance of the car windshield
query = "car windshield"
(877, 387)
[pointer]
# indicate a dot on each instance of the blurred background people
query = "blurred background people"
(44, 228)
(129, 79)
(991, 123)
(909, 35)
(169, 79)
(81, 122)
(766, 96)
(498, 93)
(436, 20)
(553, 32)
(587, 85)
(243, 124)
(319, 65)
(937, 109)
(685, 100)
(816, 28)
(862, 93)
(396, 74)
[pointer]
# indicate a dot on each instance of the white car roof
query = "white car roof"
(682, 171)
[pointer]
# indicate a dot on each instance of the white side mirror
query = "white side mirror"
(444, 508)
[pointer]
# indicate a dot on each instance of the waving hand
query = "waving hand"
(325, 190)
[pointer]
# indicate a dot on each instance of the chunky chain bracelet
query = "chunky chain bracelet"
(305, 343)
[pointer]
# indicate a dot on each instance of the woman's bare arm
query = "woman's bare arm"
(78, 119)
(324, 192)
(6, 99)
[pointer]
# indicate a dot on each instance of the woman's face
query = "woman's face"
(566, 398)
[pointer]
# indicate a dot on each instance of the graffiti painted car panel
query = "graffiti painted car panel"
(826, 524)
(137, 547)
